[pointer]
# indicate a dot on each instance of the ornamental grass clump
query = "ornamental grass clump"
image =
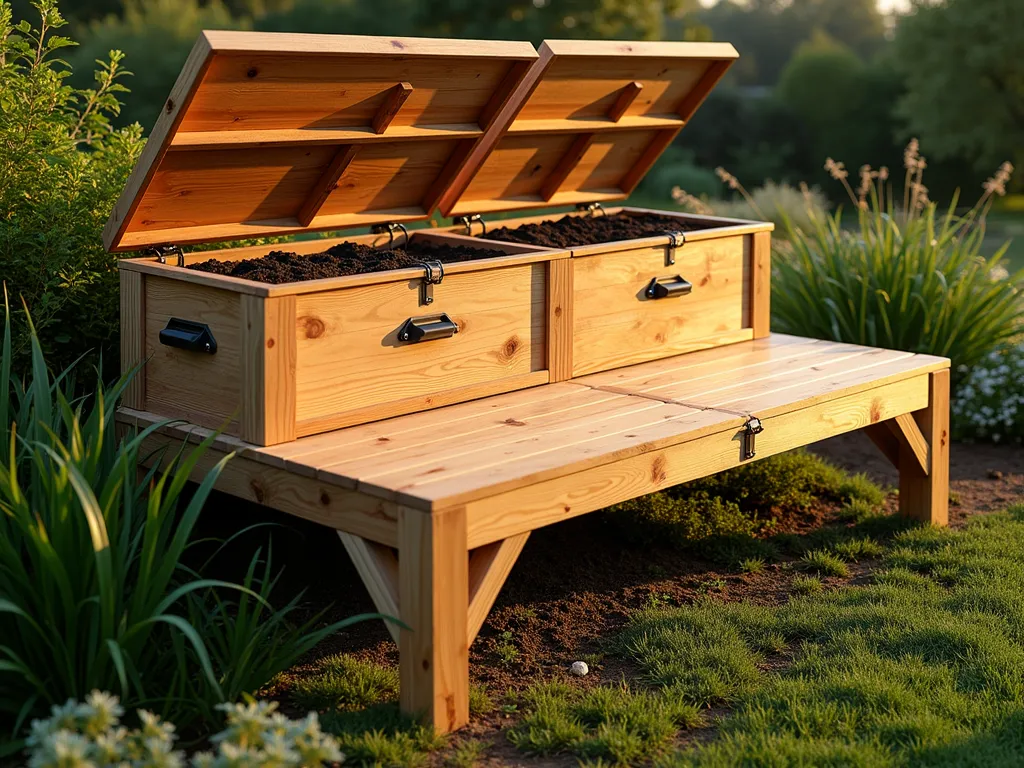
(95, 590)
(907, 276)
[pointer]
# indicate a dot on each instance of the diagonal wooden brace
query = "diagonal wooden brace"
(917, 444)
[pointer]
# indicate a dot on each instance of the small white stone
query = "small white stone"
(579, 668)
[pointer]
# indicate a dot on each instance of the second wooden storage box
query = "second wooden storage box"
(583, 129)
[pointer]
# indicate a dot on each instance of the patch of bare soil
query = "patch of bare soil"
(572, 231)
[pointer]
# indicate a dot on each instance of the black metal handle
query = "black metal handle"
(186, 334)
(674, 286)
(417, 329)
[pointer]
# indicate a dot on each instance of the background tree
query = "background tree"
(156, 36)
(964, 73)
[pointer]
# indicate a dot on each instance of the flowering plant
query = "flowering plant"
(90, 735)
(989, 403)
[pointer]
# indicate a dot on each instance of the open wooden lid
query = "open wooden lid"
(269, 134)
(586, 124)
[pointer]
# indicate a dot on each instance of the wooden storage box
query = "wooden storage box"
(273, 134)
(587, 123)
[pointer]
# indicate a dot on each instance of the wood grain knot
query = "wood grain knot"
(257, 490)
(658, 473)
(170, 106)
(509, 348)
(514, 422)
(383, 439)
(312, 327)
(558, 311)
(876, 410)
(325, 499)
(942, 438)
(252, 72)
(398, 44)
(426, 664)
(270, 343)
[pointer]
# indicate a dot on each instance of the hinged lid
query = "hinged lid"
(586, 124)
(268, 134)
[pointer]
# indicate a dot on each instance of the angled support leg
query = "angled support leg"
(917, 444)
(489, 566)
(378, 568)
(442, 592)
(924, 495)
(433, 584)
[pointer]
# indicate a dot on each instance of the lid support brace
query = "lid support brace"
(648, 157)
(389, 109)
(566, 165)
(327, 183)
(626, 97)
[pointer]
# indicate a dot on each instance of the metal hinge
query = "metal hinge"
(390, 227)
(163, 251)
(469, 221)
(751, 429)
(675, 240)
(434, 276)
(591, 208)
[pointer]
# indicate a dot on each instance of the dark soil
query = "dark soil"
(573, 231)
(341, 260)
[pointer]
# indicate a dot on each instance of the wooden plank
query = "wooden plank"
(760, 283)
(503, 511)
(489, 567)
(692, 101)
(393, 102)
(631, 49)
(626, 98)
(268, 370)
(925, 497)
(566, 165)
(269, 137)
(433, 586)
(411, 405)
(326, 184)
(560, 319)
(308, 498)
(378, 568)
(133, 336)
(603, 124)
(504, 93)
(911, 440)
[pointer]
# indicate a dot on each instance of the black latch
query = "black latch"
(666, 287)
(434, 276)
(163, 251)
(417, 329)
(675, 240)
(190, 335)
(469, 221)
(751, 429)
(591, 208)
(390, 227)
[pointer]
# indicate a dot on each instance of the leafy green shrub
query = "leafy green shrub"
(90, 734)
(63, 167)
(93, 590)
(907, 278)
(682, 519)
(989, 403)
(735, 504)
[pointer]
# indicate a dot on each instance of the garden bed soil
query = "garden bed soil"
(341, 260)
(574, 231)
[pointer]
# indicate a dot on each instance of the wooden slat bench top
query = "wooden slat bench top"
(476, 450)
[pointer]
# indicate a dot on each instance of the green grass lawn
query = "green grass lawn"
(919, 661)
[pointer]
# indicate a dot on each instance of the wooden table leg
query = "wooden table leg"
(433, 585)
(924, 496)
